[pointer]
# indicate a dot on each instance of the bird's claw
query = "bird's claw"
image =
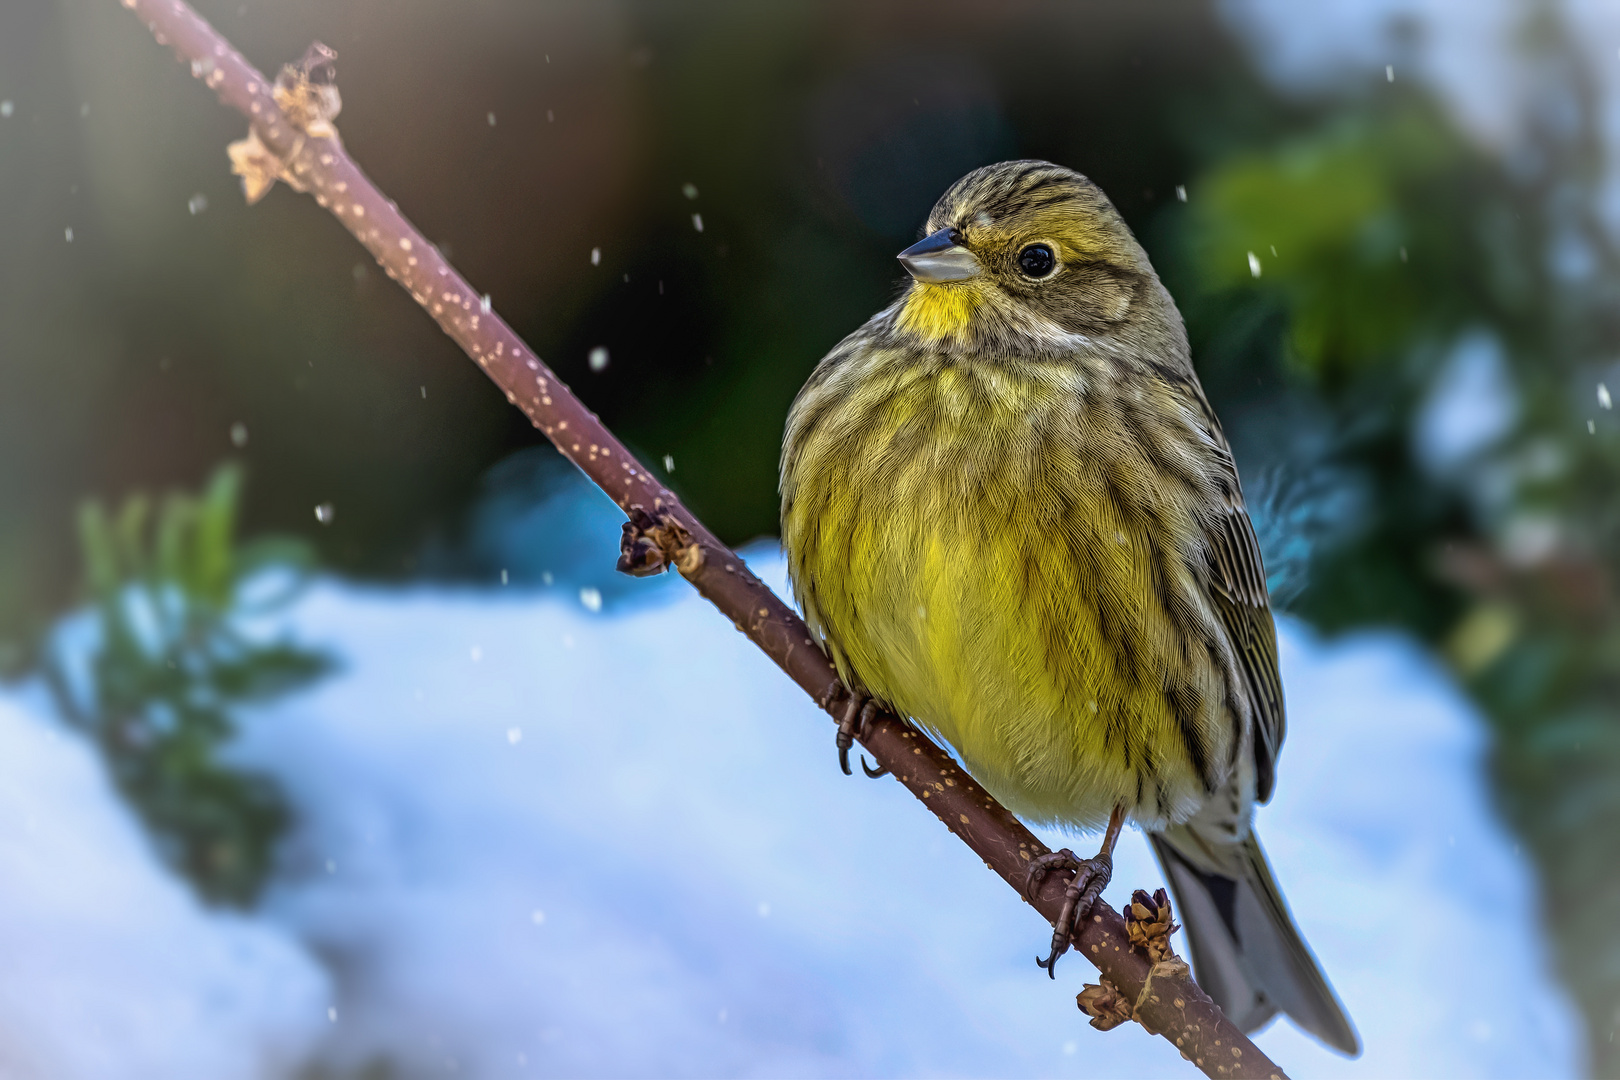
(858, 712)
(1091, 877)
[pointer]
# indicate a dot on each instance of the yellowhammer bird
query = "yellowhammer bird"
(1011, 515)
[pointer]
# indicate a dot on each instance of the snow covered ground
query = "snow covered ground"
(108, 966)
(538, 840)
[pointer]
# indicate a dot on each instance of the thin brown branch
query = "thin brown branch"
(292, 139)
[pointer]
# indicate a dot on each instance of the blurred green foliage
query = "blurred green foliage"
(1330, 220)
(153, 670)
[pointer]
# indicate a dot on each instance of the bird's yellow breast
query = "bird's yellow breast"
(976, 544)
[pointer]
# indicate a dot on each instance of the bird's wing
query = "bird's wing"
(1238, 588)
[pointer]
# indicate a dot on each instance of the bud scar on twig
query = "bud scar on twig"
(651, 544)
(1148, 925)
(307, 95)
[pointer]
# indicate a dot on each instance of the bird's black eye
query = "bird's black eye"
(1036, 260)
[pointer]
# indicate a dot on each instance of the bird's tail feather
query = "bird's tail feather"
(1246, 951)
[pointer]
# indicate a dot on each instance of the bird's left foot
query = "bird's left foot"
(858, 712)
(1091, 877)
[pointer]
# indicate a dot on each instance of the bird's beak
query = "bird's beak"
(940, 257)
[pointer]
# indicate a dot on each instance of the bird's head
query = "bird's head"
(1023, 250)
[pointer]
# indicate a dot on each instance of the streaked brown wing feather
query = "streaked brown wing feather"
(1238, 590)
(1254, 639)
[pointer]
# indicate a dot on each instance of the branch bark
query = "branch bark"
(292, 139)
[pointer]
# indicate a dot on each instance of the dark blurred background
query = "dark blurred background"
(1402, 299)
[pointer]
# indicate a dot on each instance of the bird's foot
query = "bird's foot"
(858, 712)
(1091, 877)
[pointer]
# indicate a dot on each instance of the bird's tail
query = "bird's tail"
(1247, 953)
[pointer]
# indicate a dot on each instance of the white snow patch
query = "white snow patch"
(111, 968)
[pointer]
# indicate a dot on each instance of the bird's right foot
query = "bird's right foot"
(858, 712)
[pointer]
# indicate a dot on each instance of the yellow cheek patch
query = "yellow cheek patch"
(938, 311)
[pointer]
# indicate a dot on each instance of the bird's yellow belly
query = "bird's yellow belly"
(985, 582)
